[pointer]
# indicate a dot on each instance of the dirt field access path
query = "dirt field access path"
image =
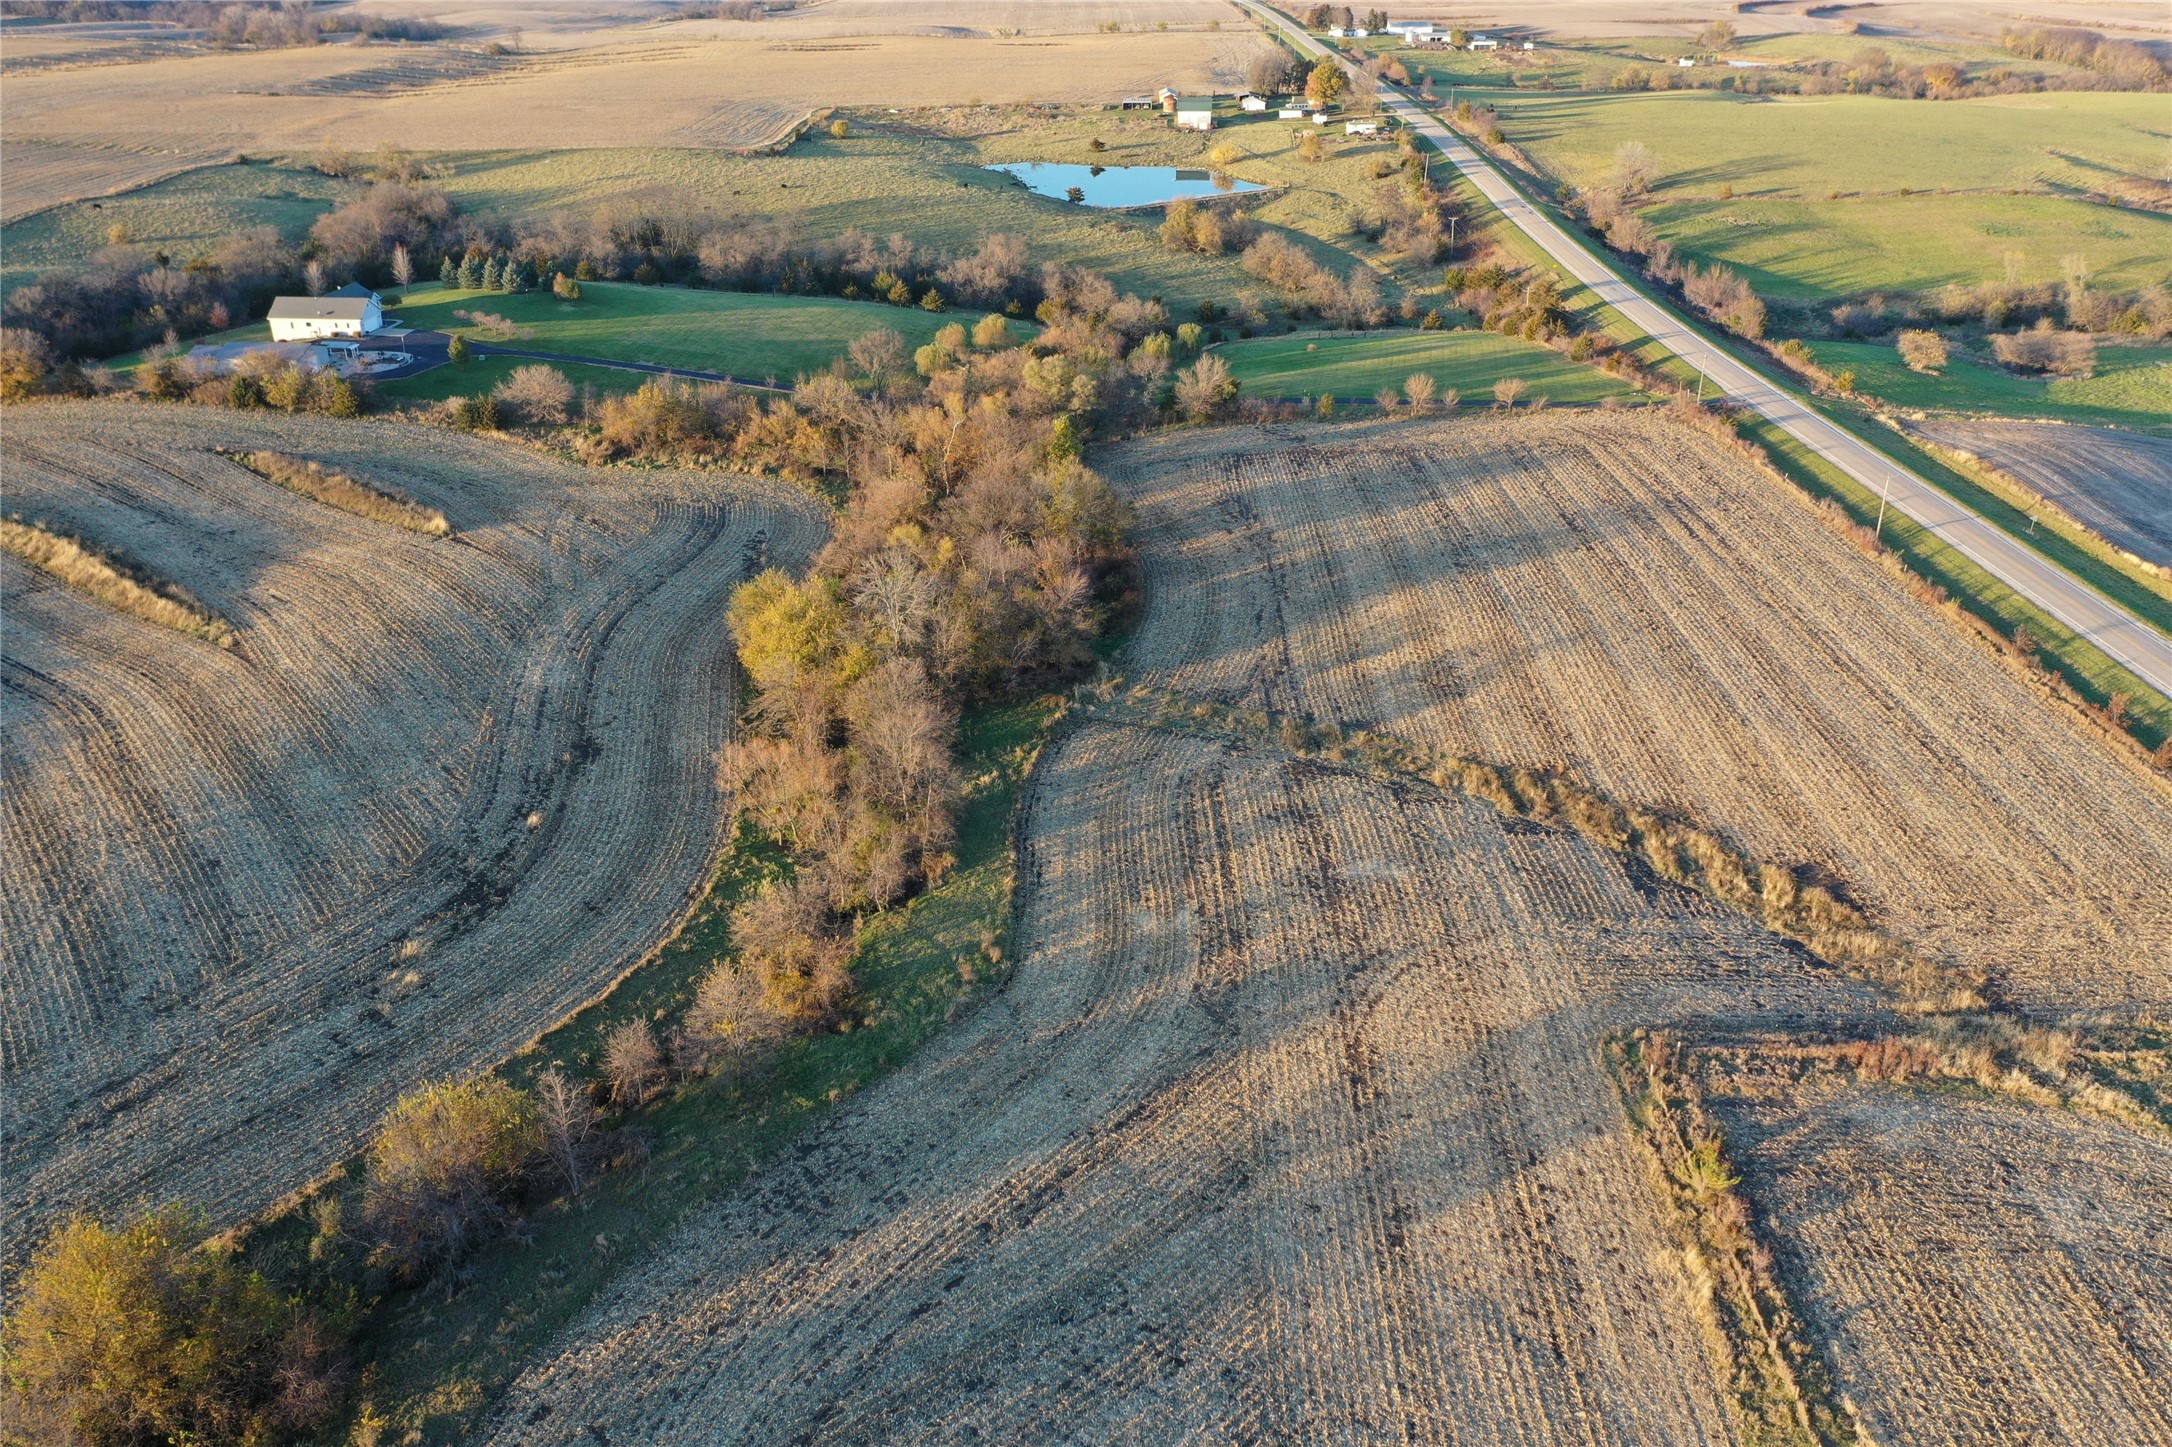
(2143, 650)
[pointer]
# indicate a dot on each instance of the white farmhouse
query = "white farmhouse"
(1484, 42)
(1413, 30)
(1361, 128)
(352, 311)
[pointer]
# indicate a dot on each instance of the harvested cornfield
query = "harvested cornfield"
(1979, 1271)
(437, 792)
(2116, 484)
(690, 92)
(1616, 596)
(35, 176)
(1290, 1126)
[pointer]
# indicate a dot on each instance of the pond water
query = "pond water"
(1120, 186)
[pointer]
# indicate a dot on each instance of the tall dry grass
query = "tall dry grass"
(337, 489)
(90, 572)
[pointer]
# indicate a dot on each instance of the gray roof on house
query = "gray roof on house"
(334, 308)
(355, 288)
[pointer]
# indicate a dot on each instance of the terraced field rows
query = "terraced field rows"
(1289, 1127)
(1986, 1272)
(440, 791)
(1617, 596)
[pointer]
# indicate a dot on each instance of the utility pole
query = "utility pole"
(1885, 490)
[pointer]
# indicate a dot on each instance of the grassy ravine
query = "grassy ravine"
(1782, 1387)
(431, 1363)
(2132, 387)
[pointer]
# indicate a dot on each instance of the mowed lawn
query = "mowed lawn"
(2132, 387)
(1358, 366)
(756, 337)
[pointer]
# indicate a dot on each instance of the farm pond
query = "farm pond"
(1116, 187)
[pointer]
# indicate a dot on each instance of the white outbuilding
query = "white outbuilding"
(1413, 30)
(1361, 128)
(1252, 102)
(1290, 113)
(352, 311)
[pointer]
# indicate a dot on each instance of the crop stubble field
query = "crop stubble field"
(2116, 484)
(704, 93)
(38, 176)
(1984, 1271)
(439, 792)
(1290, 1123)
(1614, 595)
(1288, 1127)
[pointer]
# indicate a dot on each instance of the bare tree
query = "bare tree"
(732, 1017)
(567, 1119)
(536, 394)
(313, 277)
(1923, 351)
(1635, 169)
(1419, 390)
(1507, 390)
(633, 1063)
(1388, 395)
(1205, 387)
(403, 264)
(878, 354)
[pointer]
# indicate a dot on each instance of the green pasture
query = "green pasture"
(1819, 249)
(1299, 365)
(752, 336)
(1812, 146)
(183, 216)
(2132, 387)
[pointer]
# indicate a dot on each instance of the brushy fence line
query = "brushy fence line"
(1674, 849)
(112, 582)
(1962, 1034)
(1782, 1384)
(348, 494)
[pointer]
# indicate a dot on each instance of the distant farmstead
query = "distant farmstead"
(1195, 112)
(1413, 29)
(352, 311)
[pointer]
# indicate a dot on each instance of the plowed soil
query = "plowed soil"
(1982, 1271)
(1290, 1126)
(1615, 595)
(439, 792)
(2116, 484)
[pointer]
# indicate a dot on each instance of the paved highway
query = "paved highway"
(2146, 652)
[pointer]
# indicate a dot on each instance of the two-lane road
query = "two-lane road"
(2144, 651)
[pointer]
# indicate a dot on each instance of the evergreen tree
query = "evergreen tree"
(449, 273)
(471, 274)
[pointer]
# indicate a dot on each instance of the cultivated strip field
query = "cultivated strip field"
(2116, 484)
(1290, 1126)
(35, 176)
(1617, 596)
(437, 792)
(1983, 1271)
